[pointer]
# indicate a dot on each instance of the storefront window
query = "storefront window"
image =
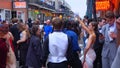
(7, 15)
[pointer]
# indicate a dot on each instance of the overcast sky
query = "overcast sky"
(78, 6)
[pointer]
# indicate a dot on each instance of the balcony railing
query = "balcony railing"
(46, 5)
(42, 4)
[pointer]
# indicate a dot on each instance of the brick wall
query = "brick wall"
(5, 4)
(23, 10)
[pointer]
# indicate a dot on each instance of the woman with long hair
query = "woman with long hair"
(24, 36)
(89, 53)
(7, 57)
(3, 46)
(9, 35)
(34, 54)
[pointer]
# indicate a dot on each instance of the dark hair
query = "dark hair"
(89, 20)
(29, 20)
(86, 17)
(3, 22)
(57, 23)
(34, 29)
(95, 24)
(103, 19)
(20, 20)
(109, 14)
(68, 24)
(14, 20)
(21, 26)
(4, 28)
(76, 28)
(117, 16)
(99, 19)
(72, 25)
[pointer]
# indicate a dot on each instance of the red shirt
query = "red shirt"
(3, 53)
(11, 43)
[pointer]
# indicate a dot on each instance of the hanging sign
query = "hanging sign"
(19, 5)
(102, 5)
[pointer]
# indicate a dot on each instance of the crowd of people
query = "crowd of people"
(55, 44)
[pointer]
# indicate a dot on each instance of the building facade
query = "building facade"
(19, 10)
(5, 9)
(114, 5)
(34, 9)
(40, 9)
(101, 7)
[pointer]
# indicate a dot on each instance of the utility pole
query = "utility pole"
(94, 10)
(89, 8)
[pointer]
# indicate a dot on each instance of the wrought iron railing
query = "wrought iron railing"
(43, 4)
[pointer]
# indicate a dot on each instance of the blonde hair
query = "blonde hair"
(22, 27)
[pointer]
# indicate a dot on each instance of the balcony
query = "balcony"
(46, 5)
(42, 5)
